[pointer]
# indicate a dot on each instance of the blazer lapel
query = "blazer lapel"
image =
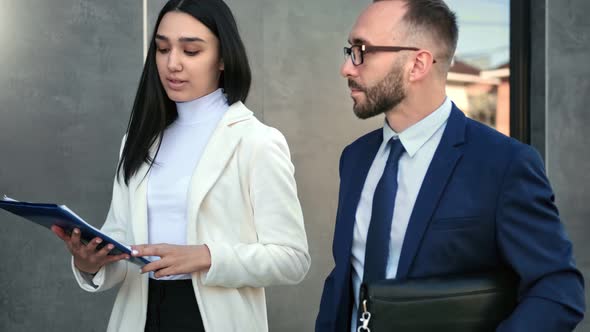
(353, 182)
(440, 170)
(218, 152)
(221, 146)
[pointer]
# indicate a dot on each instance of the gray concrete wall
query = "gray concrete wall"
(67, 79)
(568, 120)
(68, 73)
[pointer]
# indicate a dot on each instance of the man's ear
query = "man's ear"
(423, 62)
(221, 65)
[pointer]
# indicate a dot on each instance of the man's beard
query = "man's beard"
(382, 97)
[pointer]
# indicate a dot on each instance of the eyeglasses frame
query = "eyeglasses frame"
(370, 48)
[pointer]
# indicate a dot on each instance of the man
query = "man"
(432, 192)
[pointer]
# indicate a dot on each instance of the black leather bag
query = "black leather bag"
(475, 303)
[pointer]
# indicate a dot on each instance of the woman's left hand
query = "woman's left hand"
(175, 259)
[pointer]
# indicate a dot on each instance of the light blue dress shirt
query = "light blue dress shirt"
(420, 142)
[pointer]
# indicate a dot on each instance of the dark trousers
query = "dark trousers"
(172, 307)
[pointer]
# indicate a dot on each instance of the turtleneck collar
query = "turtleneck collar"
(202, 109)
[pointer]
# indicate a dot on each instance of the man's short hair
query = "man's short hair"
(434, 18)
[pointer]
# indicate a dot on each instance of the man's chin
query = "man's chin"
(361, 113)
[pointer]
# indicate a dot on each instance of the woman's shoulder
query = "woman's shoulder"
(255, 131)
(259, 142)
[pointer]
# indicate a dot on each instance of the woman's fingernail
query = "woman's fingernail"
(98, 240)
(134, 252)
(76, 230)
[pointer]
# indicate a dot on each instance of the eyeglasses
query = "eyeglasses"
(357, 52)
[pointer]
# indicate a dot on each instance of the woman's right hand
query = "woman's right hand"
(86, 257)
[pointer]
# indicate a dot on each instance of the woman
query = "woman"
(204, 183)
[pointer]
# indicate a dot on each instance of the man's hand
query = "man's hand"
(175, 259)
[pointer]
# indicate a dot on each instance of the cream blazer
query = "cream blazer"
(243, 205)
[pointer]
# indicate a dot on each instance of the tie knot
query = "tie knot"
(396, 148)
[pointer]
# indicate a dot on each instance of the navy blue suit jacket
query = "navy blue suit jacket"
(485, 204)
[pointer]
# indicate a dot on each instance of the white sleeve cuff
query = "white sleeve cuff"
(211, 277)
(86, 281)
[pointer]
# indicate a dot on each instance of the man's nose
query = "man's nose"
(348, 69)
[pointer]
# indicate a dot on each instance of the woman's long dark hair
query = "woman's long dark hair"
(153, 111)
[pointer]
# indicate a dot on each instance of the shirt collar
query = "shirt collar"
(414, 137)
(202, 109)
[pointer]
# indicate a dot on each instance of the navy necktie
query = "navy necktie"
(377, 247)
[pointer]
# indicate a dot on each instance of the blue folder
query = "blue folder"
(47, 215)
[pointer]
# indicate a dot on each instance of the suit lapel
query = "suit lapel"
(354, 180)
(355, 168)
(441, 168)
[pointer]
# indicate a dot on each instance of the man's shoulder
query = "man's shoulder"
(483, 136)
(488, 143)
(372, 137)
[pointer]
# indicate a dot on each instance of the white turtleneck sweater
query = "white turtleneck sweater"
(181, 148)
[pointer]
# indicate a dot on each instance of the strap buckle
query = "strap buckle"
(365, 318)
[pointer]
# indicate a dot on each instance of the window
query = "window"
(479, 81)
